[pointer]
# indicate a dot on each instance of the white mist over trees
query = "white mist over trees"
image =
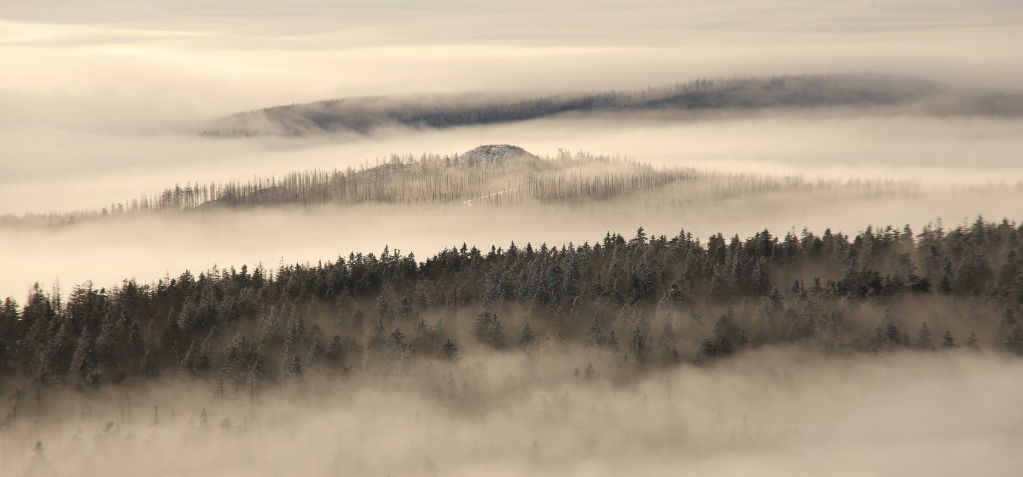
(481, 238)
(493, 176)
(648, 301)
(722, 95)
(587, 325)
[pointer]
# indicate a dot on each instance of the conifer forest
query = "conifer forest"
(556, 238)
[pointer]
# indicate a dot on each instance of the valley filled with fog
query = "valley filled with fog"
(464, 238)
(927, 155)
(771, 412)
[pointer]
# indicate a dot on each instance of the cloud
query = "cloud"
(779, 411)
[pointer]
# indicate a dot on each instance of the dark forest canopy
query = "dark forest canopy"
(646, 301)
(364, 115)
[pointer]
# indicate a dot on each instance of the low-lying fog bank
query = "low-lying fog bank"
(148, 247)
(774, 411)
(93, 169)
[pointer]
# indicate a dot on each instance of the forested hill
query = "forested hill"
(640, 301)
(363, 115)
(488, 175)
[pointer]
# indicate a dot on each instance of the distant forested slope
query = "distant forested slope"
(490, 175)
(644, 301)
(362, 115)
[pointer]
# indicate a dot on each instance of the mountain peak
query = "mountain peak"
(497, 154)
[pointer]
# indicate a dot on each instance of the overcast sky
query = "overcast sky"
(159, 62)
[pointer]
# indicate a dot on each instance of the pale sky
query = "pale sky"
(134, 64)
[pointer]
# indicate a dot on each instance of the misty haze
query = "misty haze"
(455, 238)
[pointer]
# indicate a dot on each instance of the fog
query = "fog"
(61, 170)
(775, 411)
(118, 66)
(93, 170)
(148, 247)
(101, 103)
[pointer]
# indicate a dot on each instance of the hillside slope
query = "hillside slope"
(363, 115)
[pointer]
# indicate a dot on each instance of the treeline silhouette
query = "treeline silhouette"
(645, 301)
(363, 115)
(492, 175)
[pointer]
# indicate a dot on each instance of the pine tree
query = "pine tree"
(595, 337)
(923, 337)
(377, 340)
(38, 465)
(1009, 334)
(637, 345)
(488, 330)
(83, 372)
(405, 312)
(148, 367)
(612, 340)
(291, 365)
(678, 293)
(947, 341)
(526, 337)
(971, 341)
(316, 354)
(335, 352)
(886, 335)
(720, 343)
(449, 351)
(396, 342)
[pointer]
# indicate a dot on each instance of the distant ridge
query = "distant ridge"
(493, 175)
(365, 115)
(498, 154)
